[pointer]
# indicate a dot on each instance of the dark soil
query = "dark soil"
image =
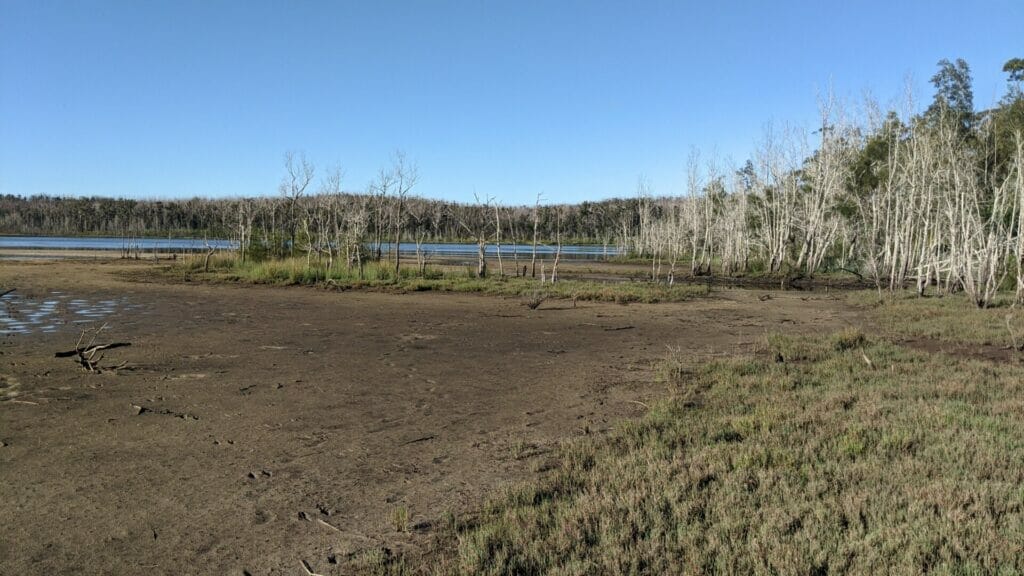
(254, 428)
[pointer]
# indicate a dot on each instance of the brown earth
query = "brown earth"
(256, 427)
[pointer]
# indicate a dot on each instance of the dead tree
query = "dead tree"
(209, 252)
(497, 238)
(558, 241)
(536, 223)
(379, 190)
(479, 229)
(298, 176)
(405, 177)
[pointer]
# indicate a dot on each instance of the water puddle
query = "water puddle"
(21, 315)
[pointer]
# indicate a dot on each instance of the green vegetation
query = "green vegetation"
(381, 276)
(949, 318)
(802, 460)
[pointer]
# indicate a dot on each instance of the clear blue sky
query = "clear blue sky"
(572, 99)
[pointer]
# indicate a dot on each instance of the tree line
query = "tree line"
(928, 199)
(587, 222)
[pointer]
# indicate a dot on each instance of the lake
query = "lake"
(434, 249)
(110, 243)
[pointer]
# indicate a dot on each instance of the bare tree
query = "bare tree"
(497, 238)
(379, 191)
(298, 175)
(558, 244)
(536, 222)
(479, 230)
(405, 177)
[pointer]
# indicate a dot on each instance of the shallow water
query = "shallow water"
(431, 249)
(112, 243)
(21, 315)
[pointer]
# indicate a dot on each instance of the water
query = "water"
(433, 249)
(112, 243)
(524, 250)
(57, 311)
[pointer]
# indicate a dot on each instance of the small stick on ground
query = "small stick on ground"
(1013, 336)
(329, 525)
(308, 568)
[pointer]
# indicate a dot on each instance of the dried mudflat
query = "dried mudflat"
(256, 427)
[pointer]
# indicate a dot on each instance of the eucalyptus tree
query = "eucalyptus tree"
(954, 95)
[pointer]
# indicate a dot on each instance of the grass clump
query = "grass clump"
(535, 299)
(950, 318)
(849, 339)
(822, 465)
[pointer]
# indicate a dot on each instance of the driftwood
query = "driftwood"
(6, 292)
(308, 568)
(87, 354)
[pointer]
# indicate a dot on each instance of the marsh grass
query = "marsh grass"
(950, 319)
(400, 519)
(815, 464)
(381, 276)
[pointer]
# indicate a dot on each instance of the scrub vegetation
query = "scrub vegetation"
(844, 455)
(382, 276)
(951, 319)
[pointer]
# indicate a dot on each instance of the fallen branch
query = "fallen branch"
(6, 292)
(87, 353)
(854, 272)
(308, 568)
(420, 439)
(91, 350)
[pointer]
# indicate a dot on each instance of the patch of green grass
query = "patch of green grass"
(379, 562)
(813, 464)
(381, 275)
(950, 318)
(400, 519)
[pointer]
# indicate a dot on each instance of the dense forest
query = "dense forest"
(932, 197)
(434, 220)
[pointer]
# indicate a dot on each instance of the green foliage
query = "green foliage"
(954, 94)
(1014, 67)
(949, 318)
(381, 276)
(849, 339)
(765, 467)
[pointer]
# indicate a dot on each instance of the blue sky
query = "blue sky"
(575, 100)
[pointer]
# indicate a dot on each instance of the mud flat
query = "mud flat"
(257, 427)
